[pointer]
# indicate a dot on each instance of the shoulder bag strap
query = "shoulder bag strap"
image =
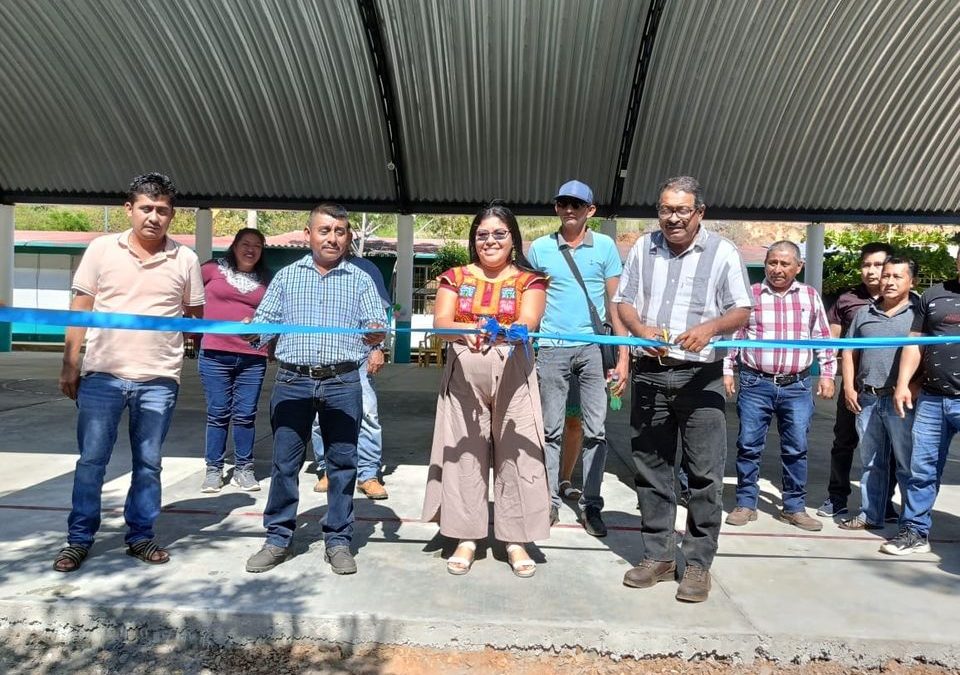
(594, 315)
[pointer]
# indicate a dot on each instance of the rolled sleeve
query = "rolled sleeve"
(371, 306)
(193, 293)
(270, 309)
(821, 329)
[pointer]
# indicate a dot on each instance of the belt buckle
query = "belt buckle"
(320, 372)
(784, 380)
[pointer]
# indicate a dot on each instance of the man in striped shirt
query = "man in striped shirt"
(777, 382)
(318, 373)
(683, 285)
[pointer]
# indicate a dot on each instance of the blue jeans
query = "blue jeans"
(759, 400)
(936, 420)
(881, 431)
(101, 400)
(370, 442)
(231, 384)
(295, 402)
(556, 368)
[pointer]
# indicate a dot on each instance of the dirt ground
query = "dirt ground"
(44, 655)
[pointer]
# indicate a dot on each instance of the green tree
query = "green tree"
(63, 220)
(451, 254)
(443, 227)
(841, 265)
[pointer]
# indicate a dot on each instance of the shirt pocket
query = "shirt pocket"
(695, 287)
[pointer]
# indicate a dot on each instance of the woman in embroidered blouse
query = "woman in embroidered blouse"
(230, 369)
(488, 411)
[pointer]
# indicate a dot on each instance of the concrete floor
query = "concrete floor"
(777, 593)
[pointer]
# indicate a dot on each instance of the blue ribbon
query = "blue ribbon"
(516, 333)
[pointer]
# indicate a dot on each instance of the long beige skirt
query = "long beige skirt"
(488, 413)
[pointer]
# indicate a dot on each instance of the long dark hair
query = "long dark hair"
(497, 210)
(260, 270)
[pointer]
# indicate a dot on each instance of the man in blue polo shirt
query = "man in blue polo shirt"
(562, 364)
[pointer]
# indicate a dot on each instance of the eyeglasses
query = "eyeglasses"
(567, 202)
(498, 235)
(683, 212)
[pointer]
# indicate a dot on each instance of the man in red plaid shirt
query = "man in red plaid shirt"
(777, 382)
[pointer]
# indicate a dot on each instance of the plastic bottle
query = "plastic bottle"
(615, 402)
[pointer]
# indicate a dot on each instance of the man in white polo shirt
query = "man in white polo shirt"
(561, 365)
(139, 271)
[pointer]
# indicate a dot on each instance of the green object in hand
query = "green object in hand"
(615, 403)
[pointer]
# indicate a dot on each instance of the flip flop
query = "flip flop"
(458, 565)
(524, 568)
(567, 491)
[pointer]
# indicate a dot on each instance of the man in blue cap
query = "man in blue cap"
(572, 251)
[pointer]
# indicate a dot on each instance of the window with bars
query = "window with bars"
(424, 289)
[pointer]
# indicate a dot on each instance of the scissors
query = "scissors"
(666, 338)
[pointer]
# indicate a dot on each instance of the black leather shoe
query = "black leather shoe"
(593, 523)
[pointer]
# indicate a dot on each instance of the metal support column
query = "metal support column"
(608, 226)
(6, 271)
(404, 288)
(813, 274)
(203, 235)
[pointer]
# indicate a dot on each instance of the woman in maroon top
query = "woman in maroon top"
(230, 369)
(488, 411)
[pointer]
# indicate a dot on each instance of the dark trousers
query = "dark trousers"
(295, 403)
(689, 403)
(845, 442)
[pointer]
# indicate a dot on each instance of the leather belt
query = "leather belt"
(877, 391)
(781, 380)
(650, 364)
(321, 372)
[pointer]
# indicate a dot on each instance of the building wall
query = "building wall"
(43, 274)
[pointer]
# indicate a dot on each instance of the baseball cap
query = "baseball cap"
(577, 190)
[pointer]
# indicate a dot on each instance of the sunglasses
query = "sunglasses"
(498, 235)
(566, 202)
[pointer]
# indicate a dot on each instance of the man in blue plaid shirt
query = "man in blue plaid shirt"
(317, 374)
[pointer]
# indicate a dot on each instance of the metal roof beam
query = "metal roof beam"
(633, 107)
(372, 24)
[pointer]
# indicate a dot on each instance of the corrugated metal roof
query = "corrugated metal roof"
(804, 105)
(505, 99)
(234, 98)
(778, 106)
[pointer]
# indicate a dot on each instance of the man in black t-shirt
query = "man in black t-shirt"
(937, 416)
(845, 439)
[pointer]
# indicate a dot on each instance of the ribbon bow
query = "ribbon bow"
(515, 333)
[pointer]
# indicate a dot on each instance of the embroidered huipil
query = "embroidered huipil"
(479, 297)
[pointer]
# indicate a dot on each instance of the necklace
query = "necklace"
(245, 282)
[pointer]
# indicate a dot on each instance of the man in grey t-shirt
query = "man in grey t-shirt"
(869, 380)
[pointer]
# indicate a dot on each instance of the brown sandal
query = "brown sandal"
(70, 558)
(147, 550)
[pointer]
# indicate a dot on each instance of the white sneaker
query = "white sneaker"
(213, 480)
(905, 543)
(244, 479)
